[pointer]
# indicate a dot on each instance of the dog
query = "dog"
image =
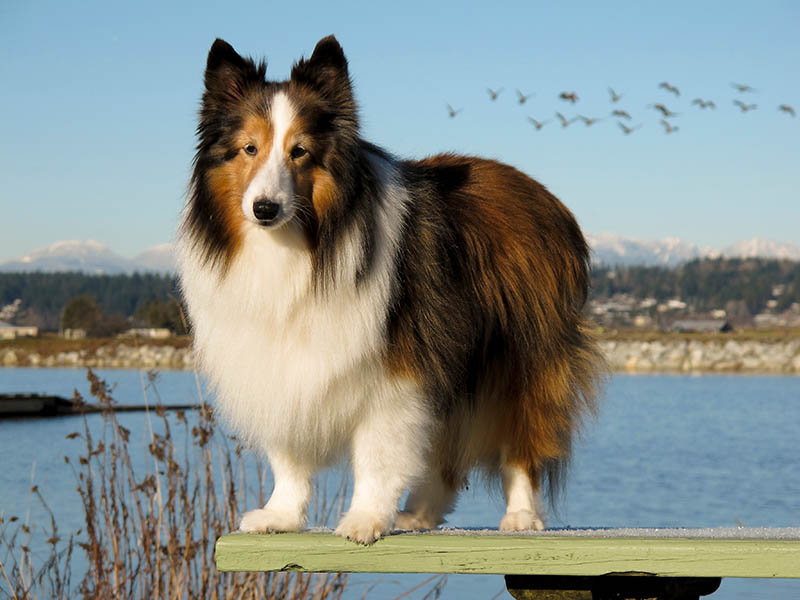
(423, 317)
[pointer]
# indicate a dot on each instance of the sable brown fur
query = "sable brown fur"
(494, 276)
(466, 279)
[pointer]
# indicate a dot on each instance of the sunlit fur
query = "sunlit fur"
(421, 317)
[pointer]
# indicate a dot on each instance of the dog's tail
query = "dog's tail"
(562, 391)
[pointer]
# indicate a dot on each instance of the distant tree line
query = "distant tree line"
(741, 286)
(102, 301)
(83, 312)
(109, 302)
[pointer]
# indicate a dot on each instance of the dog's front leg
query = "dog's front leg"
(288, 505)
(388, 448)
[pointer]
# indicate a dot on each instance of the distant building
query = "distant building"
(767, 320)
(701, 326)
(12, 332)
(74, 334)
(158, 333)
(674, 304)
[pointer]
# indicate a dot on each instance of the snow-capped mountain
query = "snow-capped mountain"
(763, 248)
(607, 248)
(613, 249)
(159, 258)
(93, 258)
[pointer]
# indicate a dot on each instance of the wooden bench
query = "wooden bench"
(554, 564)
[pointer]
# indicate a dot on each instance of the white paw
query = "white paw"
(263, 520)
(410, 521)
(363, 527)
(521, 520)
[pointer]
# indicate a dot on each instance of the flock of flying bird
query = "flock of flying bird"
(620, 114)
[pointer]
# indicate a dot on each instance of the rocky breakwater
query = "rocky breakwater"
(633, 356)
(695, 356)
(117, 356)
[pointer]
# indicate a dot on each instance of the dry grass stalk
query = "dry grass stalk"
(150, 530)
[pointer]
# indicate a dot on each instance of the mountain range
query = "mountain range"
(93, 258)
(612, 249)
(607, 248)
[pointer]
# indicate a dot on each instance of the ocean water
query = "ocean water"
(665, 451)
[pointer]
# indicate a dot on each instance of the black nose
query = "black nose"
(266, 210)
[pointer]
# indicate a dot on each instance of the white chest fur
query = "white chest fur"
(291, 368)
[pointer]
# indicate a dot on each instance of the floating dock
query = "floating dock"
(15, 406)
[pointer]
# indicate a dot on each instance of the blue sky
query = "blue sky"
(99, 99)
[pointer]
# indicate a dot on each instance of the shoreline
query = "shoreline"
(666, 353)
(694, 356)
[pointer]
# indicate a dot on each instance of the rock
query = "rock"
(751, 363)
(10, 359)
(664, 355)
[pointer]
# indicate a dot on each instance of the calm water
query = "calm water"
(666, 451)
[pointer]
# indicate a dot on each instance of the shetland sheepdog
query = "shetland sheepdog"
(423, 317)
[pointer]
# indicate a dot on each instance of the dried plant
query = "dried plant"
(150, 523)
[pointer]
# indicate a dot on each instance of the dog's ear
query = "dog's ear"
(326, 70)
(228, 74)
(328, 54)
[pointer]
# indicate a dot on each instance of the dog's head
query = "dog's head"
(271, 152)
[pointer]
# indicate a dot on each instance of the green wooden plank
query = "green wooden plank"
(511, 554)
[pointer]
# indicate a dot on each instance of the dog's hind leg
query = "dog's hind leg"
(521, 490)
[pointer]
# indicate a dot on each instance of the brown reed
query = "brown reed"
(150, 523)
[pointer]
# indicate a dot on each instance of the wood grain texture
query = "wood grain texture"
(512, 554)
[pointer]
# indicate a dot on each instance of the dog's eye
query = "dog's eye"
(297, 152)
(250, 149)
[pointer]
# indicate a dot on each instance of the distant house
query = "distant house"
(148, 332)
(701, 326)
(74, 334)
(12, 332)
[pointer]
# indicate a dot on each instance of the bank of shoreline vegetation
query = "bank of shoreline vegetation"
(152, 510)
(748, 293)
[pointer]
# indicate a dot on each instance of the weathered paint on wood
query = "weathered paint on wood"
(511, 555)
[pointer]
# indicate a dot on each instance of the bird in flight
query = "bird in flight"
(614, 95)
(523, 97)
(538, 124)
(452, 111)
(627, 130)
(494, 94)
(742, 87)
(664, 110)
(563, 119)
(704, 103)
(570, 96)
(787, 109)
(670, 88)
(621, 113)
(745, 107)
(588, 121)
(669, 127)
